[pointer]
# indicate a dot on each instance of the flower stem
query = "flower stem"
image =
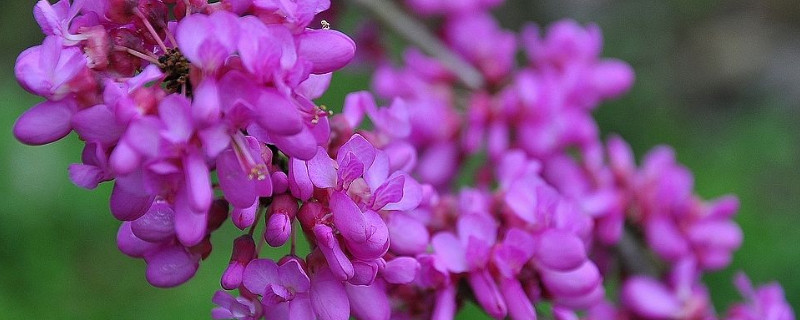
(138, 54)
(633, 256)
(293, 239)
(413, 31)
(151, 29)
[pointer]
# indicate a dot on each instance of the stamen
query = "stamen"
(321, 110)
(150, 29)
(138, 54)
(254, 170)
(188, 7)
(176, 68)
(76, 37)
(171, 39)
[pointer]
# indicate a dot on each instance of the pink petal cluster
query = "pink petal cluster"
(202, 112)
(163, 103)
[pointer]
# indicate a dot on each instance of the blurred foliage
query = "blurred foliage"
(734, 125)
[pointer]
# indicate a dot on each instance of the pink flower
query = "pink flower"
(765, 302)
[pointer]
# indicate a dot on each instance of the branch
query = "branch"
(414, 32)
(634, 257)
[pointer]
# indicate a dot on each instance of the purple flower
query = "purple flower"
(244, 250)
(208, 50)
(494, 56)
(293, 14)
(171, 266)
(93, 169)
(46, 122)
(234, 308)
(47, 70)
(765, 302)
(288, 293)
(451, 8)
(242, 171)
(681, 297)
(285, 289)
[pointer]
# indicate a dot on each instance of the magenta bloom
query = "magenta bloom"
(239, 308)
(288, 293)
(765, 302)
(484, 171)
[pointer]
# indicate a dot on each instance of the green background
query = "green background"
(717, 80)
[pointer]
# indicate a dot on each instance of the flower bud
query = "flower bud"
(280, 182)
(309, 214)
(244, 249)
(217, 214)
(244, 217)
(279, 228)
(202, 249)
(284, 204)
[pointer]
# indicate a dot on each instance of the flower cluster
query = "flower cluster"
(203, 112)
(163, 103)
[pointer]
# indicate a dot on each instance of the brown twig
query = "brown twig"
(634, 257)
(414, 32)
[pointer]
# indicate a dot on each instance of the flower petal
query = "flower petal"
(360, 147)
(487, 293)
(348, 217)
(97, 124)
(451, 251)
(198, 182)
(190, 226)
(277, 114)
(157, 225)
(302, 145)
(292, 275)
(560, 250)
(235, 185)
(170, 267)
(649, 298)
(259, 274)
(128, 206)
(328, 296)
(46, 122)
(130, 244)
(328, 50)
(369, 302)
(401, 270)
(322, 170)
(300, 183)
(340, 265)
(408, 235)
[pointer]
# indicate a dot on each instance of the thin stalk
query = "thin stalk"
(150, 29)
(138, 54)
(414, 32)
(634, 258)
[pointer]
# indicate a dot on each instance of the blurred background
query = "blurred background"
(717, 80)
